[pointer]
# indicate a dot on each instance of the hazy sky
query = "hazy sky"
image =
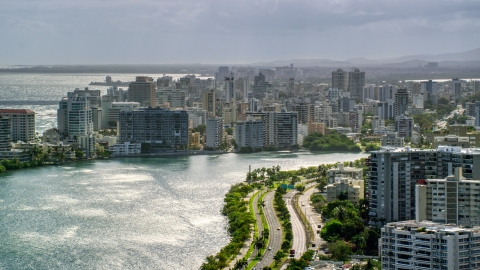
(230, 31)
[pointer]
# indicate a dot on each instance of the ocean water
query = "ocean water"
(129, 213)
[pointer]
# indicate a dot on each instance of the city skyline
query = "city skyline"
(211, 32)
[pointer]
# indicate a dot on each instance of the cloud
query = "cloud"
(216, 31)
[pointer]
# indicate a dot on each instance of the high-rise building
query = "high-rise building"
(157, 129)
(22, 124)
(456, 87)
(417, 245)
(142, 90)
(175, 98)
(393, 174)
(356, 83)
(477, 114)
(229, 89)
(404, 126)
(214, 130)
(401, 102)
(249, 134)
(223, 72)
(371, 92)
(429, 90)
(111, 110)
(75, 119)
(476, 87)
(340, 79)
(387, 92)
(416, 88)
(260, 86)
(470, 109)
(280, 129)
(208, 103)
(306, 112)
(450, 200)
(5, 133)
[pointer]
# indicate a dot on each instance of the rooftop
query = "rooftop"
(16, 111)
(410, 225)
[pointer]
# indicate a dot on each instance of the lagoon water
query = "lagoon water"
(130, 213)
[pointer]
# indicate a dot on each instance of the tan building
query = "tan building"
(22, 124)
(142, 90)
(342, 171)
(208, 103)
(315, 127)
(354, 189)
(194, 140)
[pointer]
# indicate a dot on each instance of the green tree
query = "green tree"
(340, 250)
(332, 230)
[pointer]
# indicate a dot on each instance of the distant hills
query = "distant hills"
(468, 58)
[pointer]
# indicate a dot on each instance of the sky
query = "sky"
(53, 32)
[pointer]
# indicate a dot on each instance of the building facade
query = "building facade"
(214, 130)
(249, 134)
(280, 129)
(157, 129)
(142, 90)
(427, 245)
(22, 124)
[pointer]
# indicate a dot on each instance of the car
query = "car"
(269, 248)
(278, 229)
(326, 251)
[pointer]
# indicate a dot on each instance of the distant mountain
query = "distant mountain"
(467, 58)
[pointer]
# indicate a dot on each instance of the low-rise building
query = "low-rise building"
(451, 140)
(427, 245)
(391, 139)
(342, 171)
(125, 149)
(352, 188)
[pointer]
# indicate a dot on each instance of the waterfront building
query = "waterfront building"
(111, 110)
(352, 188)
(356, 83)
(418, 245)
(280, 129)
(157, 129)
(171, 98)
(214, 130)
(249, 134)
(22, 124)
(315, 127)
(142, 90)
(52, 136)
(194, 140)
(451, 200)
(340, 79)
(342, 171)
(5, 133)
(393, 174)
(125, 149)
(391, 139)
(404, 126)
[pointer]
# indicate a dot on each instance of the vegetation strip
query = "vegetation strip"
(305, 221)
(239, 226)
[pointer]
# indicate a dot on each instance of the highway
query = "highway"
(275, 236)
(313, 217)
(299, 234)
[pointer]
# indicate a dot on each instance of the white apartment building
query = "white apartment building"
(5, 133)
(427, 245)
(452, 200)
(342, 171)
(22, 124)
(174, 98)
(404, 126)
(125, 149)
(354, 189)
